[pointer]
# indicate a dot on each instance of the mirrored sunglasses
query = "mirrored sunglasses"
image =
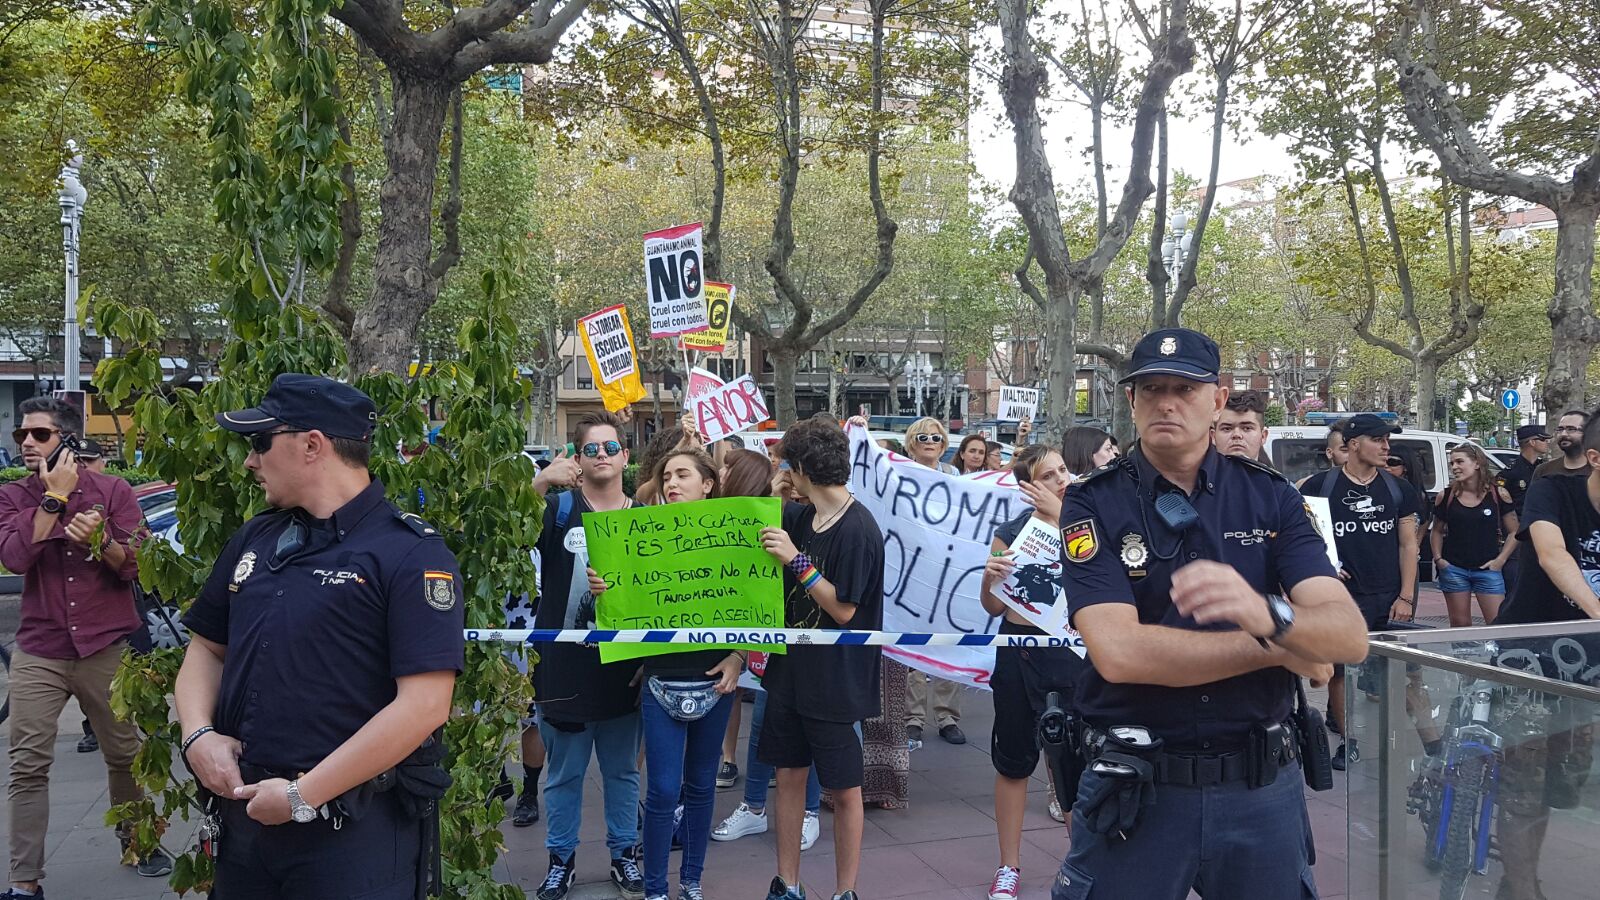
(592, 450)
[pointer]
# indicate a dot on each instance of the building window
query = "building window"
(1241, 383)
(585, 374)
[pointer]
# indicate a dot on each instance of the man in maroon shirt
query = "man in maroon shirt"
(67, 531)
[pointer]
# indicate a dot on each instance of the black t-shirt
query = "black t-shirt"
(832, 683)
(1562, 500)
(1475, 532)
(1364, 520)
(690, 665)
(570, 683)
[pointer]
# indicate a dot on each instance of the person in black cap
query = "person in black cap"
(1201, 588)
(1375, 527)
(1534, 442)
(324, 651)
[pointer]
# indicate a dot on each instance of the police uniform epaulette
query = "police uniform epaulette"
(1100, 472)
(1259, 466)
(416, 523)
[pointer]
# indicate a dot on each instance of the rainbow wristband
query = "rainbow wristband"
(809, 577)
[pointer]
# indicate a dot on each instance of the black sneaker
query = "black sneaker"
(847, 895)
(559, 880)
(952, 734)
(157, 865)
(727, 776)
(527, 811)
(88, 743)
(914, 733)
(1338, 759)
(14, 894)
(626, 876)
(780, 891)
(503, 791)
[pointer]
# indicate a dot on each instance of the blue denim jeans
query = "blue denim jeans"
(758, 773)
(1456, 580)
(615, 744)
(681, 761)
(1222, 841)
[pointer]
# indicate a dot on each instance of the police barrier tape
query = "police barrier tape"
(773, 636)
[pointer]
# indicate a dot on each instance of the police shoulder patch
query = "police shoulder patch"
(1080, 541)
(439, 589)
(416, 523)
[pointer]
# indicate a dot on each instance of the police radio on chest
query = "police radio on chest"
(1176, 512)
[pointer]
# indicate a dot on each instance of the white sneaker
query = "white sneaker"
(1056, 811)
(1004, 886)
(740, 823)
(810, 831)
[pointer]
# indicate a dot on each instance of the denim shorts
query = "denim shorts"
(1456, 580)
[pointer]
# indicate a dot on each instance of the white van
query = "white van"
(1297, 451)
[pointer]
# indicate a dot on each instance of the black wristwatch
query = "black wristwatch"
(1282, 613)
(52, 505)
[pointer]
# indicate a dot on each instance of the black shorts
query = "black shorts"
(790, 740)
(1023, 678)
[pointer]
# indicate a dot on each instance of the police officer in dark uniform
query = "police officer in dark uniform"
(1199, 584)
(325, 647)
(1534, 442)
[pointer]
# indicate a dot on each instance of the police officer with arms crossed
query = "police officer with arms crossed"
(1200, 587)
(325, 647)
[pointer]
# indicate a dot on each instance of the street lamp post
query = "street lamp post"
(918, 379)
(1175, 248)
(73, 197)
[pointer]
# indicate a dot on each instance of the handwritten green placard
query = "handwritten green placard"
(697, 566)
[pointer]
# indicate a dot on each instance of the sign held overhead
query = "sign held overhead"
(675, 281)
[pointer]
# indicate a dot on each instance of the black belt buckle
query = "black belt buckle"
(1266, 754)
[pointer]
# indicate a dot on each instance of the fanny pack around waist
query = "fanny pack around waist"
(685, 701)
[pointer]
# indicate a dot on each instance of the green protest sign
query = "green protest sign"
(695, 566)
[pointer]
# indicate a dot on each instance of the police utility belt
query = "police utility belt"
(1121, 748)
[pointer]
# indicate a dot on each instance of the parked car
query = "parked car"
(154, 494)
(161, 616)
(1297, 451)
(1504, 456)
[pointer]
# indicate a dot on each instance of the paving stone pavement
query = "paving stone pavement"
(941, 848)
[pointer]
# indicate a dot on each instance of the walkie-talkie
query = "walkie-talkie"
(1316, 761)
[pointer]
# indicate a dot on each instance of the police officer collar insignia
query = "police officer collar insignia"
(439, 589)
(1080, 541)
(1169, 346)
(1134, 553)
(247, 565)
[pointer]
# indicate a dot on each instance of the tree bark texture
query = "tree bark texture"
(404, 286)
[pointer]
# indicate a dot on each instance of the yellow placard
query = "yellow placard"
(609, 344)
(719, 311)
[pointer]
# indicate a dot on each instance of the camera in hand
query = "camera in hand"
(69, 441)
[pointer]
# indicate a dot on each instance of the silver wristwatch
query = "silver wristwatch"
(299, 810)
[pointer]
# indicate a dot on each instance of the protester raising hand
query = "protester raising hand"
(563, 471)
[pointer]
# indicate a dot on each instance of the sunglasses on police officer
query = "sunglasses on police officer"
(592, 449)
(261, 441)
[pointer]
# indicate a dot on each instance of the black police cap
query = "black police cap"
(1533, 432)
(1369, 425)
(1175, 351)
(309, 402)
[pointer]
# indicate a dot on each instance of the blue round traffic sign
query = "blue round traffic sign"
(1510, 399)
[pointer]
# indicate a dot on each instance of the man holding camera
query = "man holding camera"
(67, 531)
